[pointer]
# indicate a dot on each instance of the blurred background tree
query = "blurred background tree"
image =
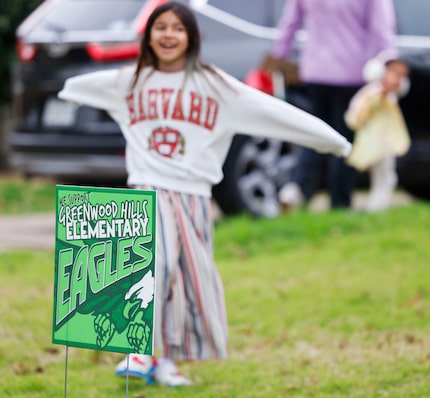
(12, 13)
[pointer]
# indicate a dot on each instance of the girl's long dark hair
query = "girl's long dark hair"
(147, 56)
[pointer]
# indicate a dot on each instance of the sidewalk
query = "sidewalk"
(37, 231)
(33, 231)
(321, 201)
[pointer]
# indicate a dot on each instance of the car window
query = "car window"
(88, 15)
(261, 12)
(413, 17)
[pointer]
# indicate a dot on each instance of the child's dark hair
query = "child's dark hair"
(147, 56)
(397, 60)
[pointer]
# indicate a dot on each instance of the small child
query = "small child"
(381, 132)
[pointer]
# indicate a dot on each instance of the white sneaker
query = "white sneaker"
(139, 365)
(167, 373)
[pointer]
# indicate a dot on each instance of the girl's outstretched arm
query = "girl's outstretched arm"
(256, 113)
(95, 89)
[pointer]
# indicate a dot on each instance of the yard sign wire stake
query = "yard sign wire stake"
(65, 372)
(126, 376)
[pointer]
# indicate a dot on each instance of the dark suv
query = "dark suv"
(63, 38)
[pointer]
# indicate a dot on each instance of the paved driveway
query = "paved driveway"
(34, 231)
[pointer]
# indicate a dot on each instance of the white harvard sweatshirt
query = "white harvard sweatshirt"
(178, 134)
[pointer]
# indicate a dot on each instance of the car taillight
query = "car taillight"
(261, 80)
(26, 52)
(105, 52)
(113, 51)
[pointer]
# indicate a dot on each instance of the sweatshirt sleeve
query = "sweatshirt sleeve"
(259, 114)
(96, 89)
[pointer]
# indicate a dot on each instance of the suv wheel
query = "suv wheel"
(255, 170)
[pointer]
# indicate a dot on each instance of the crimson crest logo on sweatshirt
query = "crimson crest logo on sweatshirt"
(167, 142)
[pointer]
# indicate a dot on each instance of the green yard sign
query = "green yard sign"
(104, 269)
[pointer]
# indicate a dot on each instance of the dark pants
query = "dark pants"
(329, 103)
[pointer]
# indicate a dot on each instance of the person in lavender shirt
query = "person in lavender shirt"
(342, 35)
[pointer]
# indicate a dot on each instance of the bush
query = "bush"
(12, 13)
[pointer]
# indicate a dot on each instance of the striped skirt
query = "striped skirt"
(190, 314)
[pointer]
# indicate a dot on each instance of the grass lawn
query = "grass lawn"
(334, 304)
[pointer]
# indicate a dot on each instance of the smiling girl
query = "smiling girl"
(178, 117)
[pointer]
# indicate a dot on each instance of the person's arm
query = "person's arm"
(96, 89)
(363, 106)
(381, 26)
(358, 112)
(290, 22)
(256, 113)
